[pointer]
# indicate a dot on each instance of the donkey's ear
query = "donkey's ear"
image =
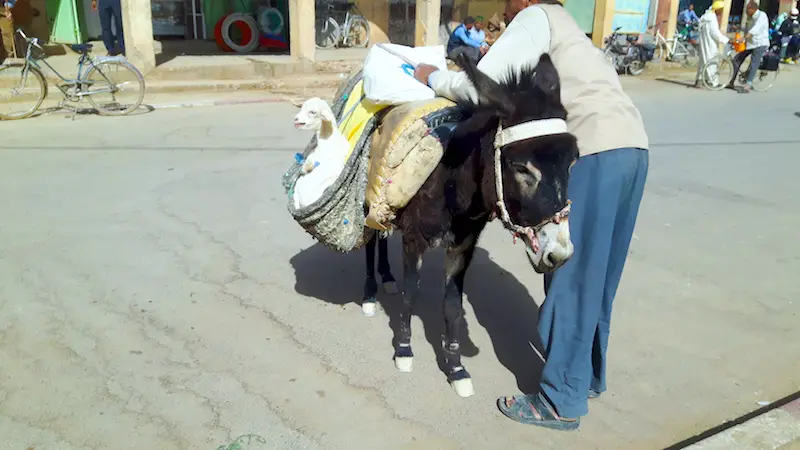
(490, 93)
(547, 78)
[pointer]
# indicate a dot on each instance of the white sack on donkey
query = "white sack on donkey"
(325, 163)
(389, 76)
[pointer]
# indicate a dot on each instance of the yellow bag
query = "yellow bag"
(357, 112)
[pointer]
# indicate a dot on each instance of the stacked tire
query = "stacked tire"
(247, 27)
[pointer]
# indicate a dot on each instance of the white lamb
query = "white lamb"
(324, 164)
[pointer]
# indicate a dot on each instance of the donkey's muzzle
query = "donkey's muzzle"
(555, 247)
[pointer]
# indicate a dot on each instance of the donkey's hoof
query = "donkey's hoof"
(461, 382)
(404, 358)
(368, 308)
(390, 287)
(463, 387)
(404, 363)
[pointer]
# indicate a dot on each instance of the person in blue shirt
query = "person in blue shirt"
(686, 19)
(461, 42)
(477, 33)
(688, 16)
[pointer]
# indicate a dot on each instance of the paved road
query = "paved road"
(155, 293)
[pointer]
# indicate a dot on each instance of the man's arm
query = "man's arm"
(461, 33)
(717, 34)
(525, 39)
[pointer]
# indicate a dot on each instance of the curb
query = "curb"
(775, 426)
(186, 104)
(204, 103)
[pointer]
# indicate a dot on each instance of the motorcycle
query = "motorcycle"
(629, 53)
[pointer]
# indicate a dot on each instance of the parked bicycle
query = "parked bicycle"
(102, 80)
(679, 48)
(718, 72)
(353, 33)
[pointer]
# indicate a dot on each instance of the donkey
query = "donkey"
(511, 157)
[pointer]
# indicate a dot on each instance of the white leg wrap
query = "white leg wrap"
(368, 308)
(463, 387)
(404, 363)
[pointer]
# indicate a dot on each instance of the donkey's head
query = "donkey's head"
(535, 154)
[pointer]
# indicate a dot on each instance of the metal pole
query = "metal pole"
(194, 18)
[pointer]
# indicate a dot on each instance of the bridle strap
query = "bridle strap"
(527, 130)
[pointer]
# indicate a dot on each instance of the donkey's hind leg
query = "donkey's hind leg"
(412, 261)
(368, 305)
(456, 263)
(387, 279)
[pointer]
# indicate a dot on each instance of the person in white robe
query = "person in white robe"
(709, 40)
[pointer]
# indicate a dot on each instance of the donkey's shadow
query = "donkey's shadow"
(502, 305)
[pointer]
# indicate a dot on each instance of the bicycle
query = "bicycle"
(676, 48)
(330, 33)
(28, 83)
(713, 79)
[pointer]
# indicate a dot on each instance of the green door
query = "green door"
(583, 13)
(65, 26)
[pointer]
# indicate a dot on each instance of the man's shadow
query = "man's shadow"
(502, 305)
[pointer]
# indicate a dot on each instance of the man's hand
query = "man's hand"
(484, 49)
(94, 5)
(423, 72)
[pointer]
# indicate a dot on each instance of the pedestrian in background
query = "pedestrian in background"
(710, 38)
(111, 10)
(16, 14)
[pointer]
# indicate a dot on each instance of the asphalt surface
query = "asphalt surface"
(156, 294)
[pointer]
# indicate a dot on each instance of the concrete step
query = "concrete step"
(239, 68)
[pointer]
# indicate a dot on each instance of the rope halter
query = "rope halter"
(520, 132)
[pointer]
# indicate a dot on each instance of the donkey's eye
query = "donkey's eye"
(521, 169)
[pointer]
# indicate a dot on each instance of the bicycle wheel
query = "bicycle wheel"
(636, 67)
(114, 88)
(328, 33)
(659, 52)
(22, 91)
(764, 79)
(716, 74)
(358, 33)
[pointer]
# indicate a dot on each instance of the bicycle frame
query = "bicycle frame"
(347, 22)
(84, 62)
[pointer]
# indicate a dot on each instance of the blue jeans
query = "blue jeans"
(606, 189)
(111, 10)
(757, 54)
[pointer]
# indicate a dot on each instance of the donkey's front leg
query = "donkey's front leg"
(387, 279)
(456, 263)
(412, 261)
(370, 285)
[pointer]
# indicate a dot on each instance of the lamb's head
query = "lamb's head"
(313, 115)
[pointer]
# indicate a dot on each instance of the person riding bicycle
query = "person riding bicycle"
(757, 38)
(687, 19)
(709, 40)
